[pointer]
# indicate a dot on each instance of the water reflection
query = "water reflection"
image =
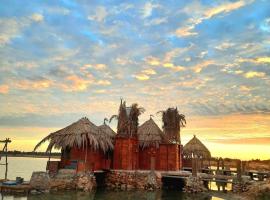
(112, 195)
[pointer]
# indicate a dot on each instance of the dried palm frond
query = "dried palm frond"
(79, 134)
(173, 121)
(128, 119)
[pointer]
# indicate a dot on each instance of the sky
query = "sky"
(66, 59)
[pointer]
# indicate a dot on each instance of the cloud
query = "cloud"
(173, 67)
(258, 60)
(12, 27)
(224, 8)
(247, 141)
(148, 8)
(145, 74)
(38, 83)
(204, 13)
(103, 82)
(218, 109)
(168, 59)
(244, 88)
(4, 89)
(224, 46)
(198, 68)
(100, 14)
(99, 66)
(265, 25)
(141, 77)
(254, 74)
(76, 83)
(156, 21)
(263, 59)
(154, 61)
(185, 32)
(37, 17)
(123, 61)
(149, 72)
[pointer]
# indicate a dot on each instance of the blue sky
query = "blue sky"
(62, 60)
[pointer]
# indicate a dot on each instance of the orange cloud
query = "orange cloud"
(198, 68)
(224, 8)
(4, 89)
(34, 85)
(77, 83)
(207, 13)
(185, 32)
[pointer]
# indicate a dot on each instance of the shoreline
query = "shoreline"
(33, 156)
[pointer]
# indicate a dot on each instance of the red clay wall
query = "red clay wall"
(166, 157)
(126, 153)
(95, 160)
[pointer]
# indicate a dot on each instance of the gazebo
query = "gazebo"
(83, 145)
(195, 150)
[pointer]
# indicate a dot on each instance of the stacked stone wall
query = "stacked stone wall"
(127, 180)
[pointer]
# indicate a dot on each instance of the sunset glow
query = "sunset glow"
(63, 60)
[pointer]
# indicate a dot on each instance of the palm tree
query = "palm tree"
(173, 121)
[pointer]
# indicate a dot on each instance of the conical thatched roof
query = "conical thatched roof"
(107, 130)
(149, 134)
(197, 148)
(79, 134)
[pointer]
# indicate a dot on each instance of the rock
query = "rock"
(85, 181)
(40, 181)
(127, 180)
(194, 185)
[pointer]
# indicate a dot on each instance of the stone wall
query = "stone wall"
(64, 180)
(127, 180)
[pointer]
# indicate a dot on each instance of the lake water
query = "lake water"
(23, 167)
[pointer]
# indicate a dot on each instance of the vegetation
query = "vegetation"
(29, 154)
(128, 119)
(173, 121)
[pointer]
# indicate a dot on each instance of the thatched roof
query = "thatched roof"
(149, 134)
(196, 148)
(107, 130)
(79, 134)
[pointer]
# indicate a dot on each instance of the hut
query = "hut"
(155, 151)
(150, 138)
(83, 145)
(195, 149)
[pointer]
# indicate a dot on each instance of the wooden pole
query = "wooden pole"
(6, 162)
(5, 150)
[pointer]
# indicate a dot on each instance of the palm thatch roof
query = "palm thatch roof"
(196, 148)
(107, 129)
(149, 134)
(79, 134)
